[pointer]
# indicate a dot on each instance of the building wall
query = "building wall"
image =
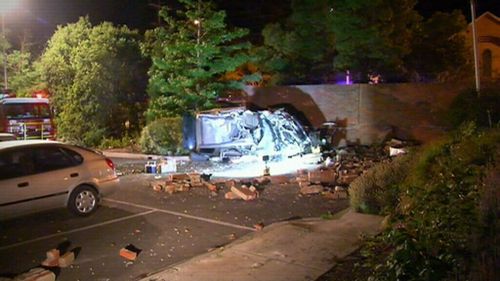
(488, 33)
(367, 113)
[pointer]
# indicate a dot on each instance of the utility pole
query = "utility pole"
(475, 47)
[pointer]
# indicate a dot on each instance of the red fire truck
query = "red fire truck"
(27, 118)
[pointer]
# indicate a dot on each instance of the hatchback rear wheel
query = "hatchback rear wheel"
(83, 201)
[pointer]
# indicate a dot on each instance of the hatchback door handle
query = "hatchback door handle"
(23, 184)
(74, 175)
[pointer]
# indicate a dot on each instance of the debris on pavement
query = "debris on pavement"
(130, 252)
(67, 259)
(52, 259)
(245, 193)
(331, 179)
(397, 147)
(36, 274)
(231, 196)
(259, 226)
(311, 189)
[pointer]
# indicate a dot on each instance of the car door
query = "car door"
(45, 176)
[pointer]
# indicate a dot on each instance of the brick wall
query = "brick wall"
(367, 113)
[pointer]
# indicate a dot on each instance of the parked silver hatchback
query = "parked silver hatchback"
(37, 175)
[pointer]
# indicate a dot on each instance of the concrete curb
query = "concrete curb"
(293, 250)
(139, 156)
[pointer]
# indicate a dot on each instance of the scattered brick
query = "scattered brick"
(128, 254)
(262, 180)
(244, 193)
(259, 226)
(347, 178)
(170, 188)
(211, 187)
(326, 176)
(158, 185)
(52, 258)
(195, 179)
(179, 177)
(279, 179)
(66, 259)
(311, 189)
(230, 183)
(37, 274)
(53, 254)
(231, 196)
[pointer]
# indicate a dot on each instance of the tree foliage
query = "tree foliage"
(94, 74)
(23, 77)
(190, 53)
(301, 49)
(439, 50)
(373, 36)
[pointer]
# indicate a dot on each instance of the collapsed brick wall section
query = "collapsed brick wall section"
(367, 113)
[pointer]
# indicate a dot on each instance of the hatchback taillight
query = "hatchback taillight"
(110, 163)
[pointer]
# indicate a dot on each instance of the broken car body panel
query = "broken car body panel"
(236, 132)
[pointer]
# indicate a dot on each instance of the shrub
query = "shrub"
(162, 136)
(482, 110)
(377, 191)
(445, 225)
(124, 142)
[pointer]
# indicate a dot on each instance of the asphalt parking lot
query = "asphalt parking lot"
(168, 228)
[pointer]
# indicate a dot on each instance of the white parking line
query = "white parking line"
(181, 214)
(77, 229)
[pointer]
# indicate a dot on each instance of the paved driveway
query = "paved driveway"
(167, 228)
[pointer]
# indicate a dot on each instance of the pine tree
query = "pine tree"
(190, 53)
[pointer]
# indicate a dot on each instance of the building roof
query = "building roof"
(489, 16)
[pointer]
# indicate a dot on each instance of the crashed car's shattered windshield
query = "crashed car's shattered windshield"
(237, 132)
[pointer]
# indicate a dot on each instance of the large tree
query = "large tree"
(95, 74)
(190, 54)
(301, 49)
(373, 36)
(439, 51)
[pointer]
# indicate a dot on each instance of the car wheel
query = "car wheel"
(83, 201)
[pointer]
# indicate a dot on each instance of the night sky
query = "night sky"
(39, 18)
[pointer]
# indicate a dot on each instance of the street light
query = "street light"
(197, 22)
(5, 6)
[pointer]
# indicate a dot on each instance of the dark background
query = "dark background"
(38, 19)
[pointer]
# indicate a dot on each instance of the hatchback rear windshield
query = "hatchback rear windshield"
(26, 110)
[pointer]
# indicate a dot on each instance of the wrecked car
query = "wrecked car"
(236, 132)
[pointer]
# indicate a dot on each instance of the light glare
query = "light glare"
(7, 5)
